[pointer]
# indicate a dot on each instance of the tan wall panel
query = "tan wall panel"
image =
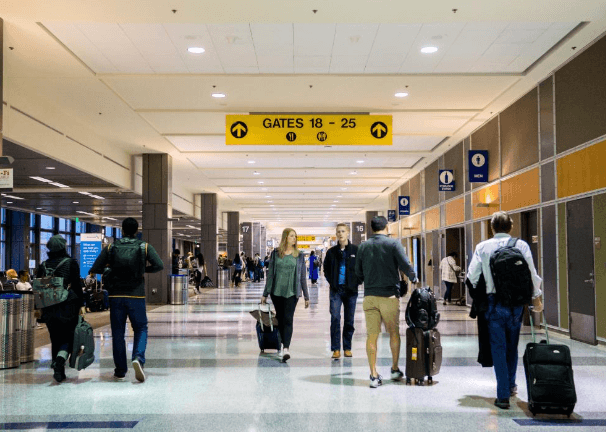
(455, 212)
(582, 171)
(413, 222)
(394, 229)
(432, 219)
(415, 194)
(490, 195)
(520, 191)
(393, 200)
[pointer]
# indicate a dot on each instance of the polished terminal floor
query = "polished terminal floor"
(205, 373)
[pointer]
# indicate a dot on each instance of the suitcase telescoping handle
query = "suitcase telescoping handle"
(534, 338)
(271, 322)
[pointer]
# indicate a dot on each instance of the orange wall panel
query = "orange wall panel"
(582, 171)
(520, 191)
(393, 229)
(489, 195)
(455, 211)
(412, 222)
(432, 219)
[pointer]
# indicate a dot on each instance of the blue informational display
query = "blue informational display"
(478, 166)
(447, 182)
(404, 205)
(391, 215)
(90, 248)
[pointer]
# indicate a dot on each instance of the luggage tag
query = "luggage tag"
(414, 354)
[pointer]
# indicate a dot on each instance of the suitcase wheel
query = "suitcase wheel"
(429, 381)
(407, 381)
(262, 351)
(419, 382)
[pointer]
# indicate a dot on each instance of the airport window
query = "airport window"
(118, 233)
(47, 222)
(80, 227)
(45, 236)
(109, 232)
(65, 225)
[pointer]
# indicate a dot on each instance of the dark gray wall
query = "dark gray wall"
(432, 194)
(550, 264)
(487, 138)
(208, 234)
(453, 159)
(546, 119)
(547, 182)
(233, 234)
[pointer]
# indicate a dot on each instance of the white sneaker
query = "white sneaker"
(376, 381)
(138, 367)
(286, 355)
(280, 354)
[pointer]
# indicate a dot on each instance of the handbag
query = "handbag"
(206, 282)
(265, 316)
(49, 290)
(83, 349)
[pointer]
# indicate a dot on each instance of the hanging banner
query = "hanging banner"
(90, 248)
(404, 205)
(478, 166)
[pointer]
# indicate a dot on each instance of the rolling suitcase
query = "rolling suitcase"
(423, 355)
(267, 329)
(549, 376)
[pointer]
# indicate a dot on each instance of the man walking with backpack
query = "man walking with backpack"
(127, 261)
(511, 282)
(377, 264)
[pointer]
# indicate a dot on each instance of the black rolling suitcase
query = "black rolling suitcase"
(423, 355)
(549, 376)
(267, 329)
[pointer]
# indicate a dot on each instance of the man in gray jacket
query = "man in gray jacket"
(377, 264)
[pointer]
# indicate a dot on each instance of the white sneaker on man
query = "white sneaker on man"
(286, 355)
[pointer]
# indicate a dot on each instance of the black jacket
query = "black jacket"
(332, 263)
(70, 272)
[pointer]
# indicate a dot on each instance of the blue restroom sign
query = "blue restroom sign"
(447, 182)
(478, 166)
(404, 205)
(391, 215)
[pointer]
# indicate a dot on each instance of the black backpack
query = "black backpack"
(511, 275)
(126, 262)
(422, 310)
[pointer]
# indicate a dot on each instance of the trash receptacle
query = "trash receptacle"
(27, 327)
(10, 334)
(178, 290)
(223, 277)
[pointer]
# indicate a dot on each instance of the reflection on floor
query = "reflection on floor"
(205, 372)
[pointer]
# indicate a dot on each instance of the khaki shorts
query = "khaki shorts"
(386, 309)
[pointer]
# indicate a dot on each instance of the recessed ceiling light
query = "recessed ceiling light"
(75, 202)
(267, 196)
(196, 50)
(347, 181)
(9, 202)
(335, 201)
(218, 95)
(261, 182)
(429, 49)
(271, 205)
(401, 94)
(333, 205)
(360, 161)
(50, 168)
(251, 162)
(257, 173)
(39, 208)
(343, 188)
(339, 196)
(353, 173)
(269, 201)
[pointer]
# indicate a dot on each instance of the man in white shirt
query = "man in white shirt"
(504, 322)
(449, 269)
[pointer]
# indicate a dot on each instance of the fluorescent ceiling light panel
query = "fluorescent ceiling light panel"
(218, 95)
(401, 94)
(429, 50)
(196, 50)
(13, 197)
(84, 193)
(86, 213)
(42, 179)
(61, 185)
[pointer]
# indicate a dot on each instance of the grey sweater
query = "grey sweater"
(377, 264)
(301, 276)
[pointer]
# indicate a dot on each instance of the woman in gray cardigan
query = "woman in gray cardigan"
(286, 280)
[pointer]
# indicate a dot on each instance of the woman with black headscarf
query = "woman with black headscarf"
(61, 319)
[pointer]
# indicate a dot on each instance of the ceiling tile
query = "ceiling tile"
(149, 39)
(273, 39)
(348, 64)
(314, 39)
(275, 64)
(312, 64)
(354, 39)
(441, 36)
(234, 45)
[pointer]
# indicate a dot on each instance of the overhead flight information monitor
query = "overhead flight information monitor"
(320, 129)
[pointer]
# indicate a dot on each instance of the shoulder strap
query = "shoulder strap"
(512, 242)
(60, 264)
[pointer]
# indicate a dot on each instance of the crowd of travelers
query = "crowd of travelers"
(377, 263)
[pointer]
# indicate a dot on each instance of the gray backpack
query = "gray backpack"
(50, 289)
(83, 351)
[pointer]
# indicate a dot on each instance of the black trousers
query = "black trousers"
(61, 335)
(285, 312)
(236, 278)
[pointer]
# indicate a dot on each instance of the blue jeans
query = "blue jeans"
(348, 300)
(504, 325)
(448, 292)
(134, 309)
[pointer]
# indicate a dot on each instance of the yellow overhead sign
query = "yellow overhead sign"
(303, 246)
(293, 129)
(306, 238)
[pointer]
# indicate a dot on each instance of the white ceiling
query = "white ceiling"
(128, 60)
(302, 48)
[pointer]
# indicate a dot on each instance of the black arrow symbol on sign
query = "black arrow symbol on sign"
(378, 129)
(239, 129)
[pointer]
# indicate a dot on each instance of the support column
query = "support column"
(208, 234)
(256, 239)
(263, 241)
(369, 216)
(358, 232)
(233, 234)
(246, 228)
(157, 226)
